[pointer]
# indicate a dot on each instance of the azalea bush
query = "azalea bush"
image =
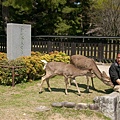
(31, 66)
(6, 72)
(3, 56)
(59, 57)
(34, 66)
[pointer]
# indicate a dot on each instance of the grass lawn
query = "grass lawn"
(20, 102)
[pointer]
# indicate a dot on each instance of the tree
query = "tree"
(59, 17)
(4, 17)
(105, 18)
(1, 20)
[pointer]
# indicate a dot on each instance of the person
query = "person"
(114, 72)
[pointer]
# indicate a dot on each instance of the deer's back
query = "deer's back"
(82, 62)
(55, 67)
(71, 71)
(67, 70)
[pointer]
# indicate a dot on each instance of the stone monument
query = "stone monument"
(18, 40)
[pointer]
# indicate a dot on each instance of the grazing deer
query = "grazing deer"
(83, 62)
(64, 69)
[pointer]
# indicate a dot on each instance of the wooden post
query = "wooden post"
(73, 50)
(49, 46)
(13, 72)
(100, 51)
(13, 76)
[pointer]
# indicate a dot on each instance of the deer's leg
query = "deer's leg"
(48, 84)
(77, 86)
(42, 81)
(92, 82)
(87, 83)
(66, 83)
(70, 81)
(46, 77)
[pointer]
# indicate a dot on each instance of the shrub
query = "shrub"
(6, 72)
(34, 67)
(3, 56)
(59, 57)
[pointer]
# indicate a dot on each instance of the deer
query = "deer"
(69, 71)
(83, 62)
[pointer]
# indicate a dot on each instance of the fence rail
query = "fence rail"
(102, 49)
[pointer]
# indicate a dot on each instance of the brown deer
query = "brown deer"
(86, 63)
(64, 69)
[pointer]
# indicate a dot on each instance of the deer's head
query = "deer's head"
(106, 79)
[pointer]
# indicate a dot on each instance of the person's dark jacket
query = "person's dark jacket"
(114, 72)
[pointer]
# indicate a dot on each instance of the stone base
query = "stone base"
(109, 105)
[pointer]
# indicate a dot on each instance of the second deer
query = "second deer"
(86, 63)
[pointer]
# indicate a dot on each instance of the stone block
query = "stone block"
(81, 106)
(18, 40)
(93, 107)
(109, 105)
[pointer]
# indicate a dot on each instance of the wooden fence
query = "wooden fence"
(102, 49)
(3, 43)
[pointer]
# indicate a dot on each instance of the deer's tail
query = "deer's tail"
(45, 62)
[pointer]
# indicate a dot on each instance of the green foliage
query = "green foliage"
(31, 66)
(1, 21)
(6, 72)
(62, 28)
(68, 10)
(44, 15)
(34, 67)
(21, 5)
(99, 4)
(54, 4)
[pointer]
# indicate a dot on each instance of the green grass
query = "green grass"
(20, 102)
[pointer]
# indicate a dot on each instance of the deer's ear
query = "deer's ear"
(107, 80)
(104, 73)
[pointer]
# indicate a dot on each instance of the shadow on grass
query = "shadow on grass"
(61, 90)
(106, 91)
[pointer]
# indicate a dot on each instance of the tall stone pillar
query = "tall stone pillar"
(18, 40)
